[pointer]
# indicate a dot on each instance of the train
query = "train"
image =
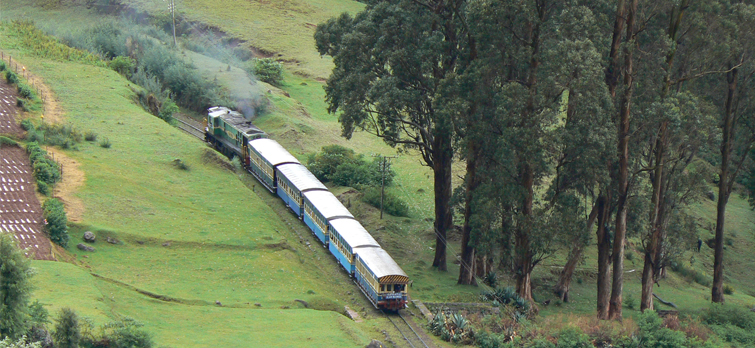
(374, 271)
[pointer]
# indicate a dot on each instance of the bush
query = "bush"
(20, 343)
(67, 333)
(123, 65)
(25, 91)
(572, 337)
(45, 170)
(167, 110)
(43, 188)
(105, 143)
(90, 136)
(267, 70)
(345, 168)
(56, 226)
(728, 289)
(5, 141)
(2, 66)
(652, 334)
(391, 203)
(27, 125)
(11, 77)
(126, 334)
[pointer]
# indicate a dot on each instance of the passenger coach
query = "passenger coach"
(319, 208)
(347, 238)
(265, 155)
(293, 180)
(381, 279)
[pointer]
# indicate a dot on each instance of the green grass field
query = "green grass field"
(190, 238)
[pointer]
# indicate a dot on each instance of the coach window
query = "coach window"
(397, 288)
(382, 287)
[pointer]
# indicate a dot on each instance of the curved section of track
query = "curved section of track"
(407, 331)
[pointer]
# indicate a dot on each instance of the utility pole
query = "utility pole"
(383, 167)
(172, 9)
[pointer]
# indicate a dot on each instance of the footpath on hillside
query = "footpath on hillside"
(20, 211)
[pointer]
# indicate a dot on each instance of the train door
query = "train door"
(245, 151)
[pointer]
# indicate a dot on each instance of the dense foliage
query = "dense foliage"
(45, 170)
(267, 70)
(15, 289)
(56, 221)
(344, 167)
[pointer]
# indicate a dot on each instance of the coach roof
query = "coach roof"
(272, 152)
(353, 233)
(327, 204)
(300, 177)
(382, 265)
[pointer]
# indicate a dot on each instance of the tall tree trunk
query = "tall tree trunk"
(442, 158)
(612, 71)
(724, 188)
(653, 243)
(617, 285)
(467, 267)
(575, 257)
(522, 243)
(604, 254)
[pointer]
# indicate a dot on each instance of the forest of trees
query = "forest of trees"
(572, 117)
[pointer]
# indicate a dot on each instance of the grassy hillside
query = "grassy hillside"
(190, 238)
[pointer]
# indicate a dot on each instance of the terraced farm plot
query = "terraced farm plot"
(20, 212)
(8, 111)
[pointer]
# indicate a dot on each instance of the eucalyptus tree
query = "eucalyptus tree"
(390, 60)
(733, 95)
(529, 58)
(672, 125)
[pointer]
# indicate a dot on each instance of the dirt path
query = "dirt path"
(73, 179)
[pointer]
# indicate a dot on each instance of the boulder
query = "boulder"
(84, 247)
(375, 344)
(89, 237)
(711, 195)
(112, 240)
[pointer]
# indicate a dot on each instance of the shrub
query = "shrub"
(2, 66)
(27, 125)
(46, 171)
(392, 204)
(43, 188)
(167, 110)
(67, 333)
(630, 301)
(25, 91)
(20, 343)
(105, 143)
(267, 70)
(345, 168)
(11, 77)
(728, 289)
(90, 136)
(572, 337)
(5, 141)
(652, 334)
(126, 334)
(55, 216)
(123, 65)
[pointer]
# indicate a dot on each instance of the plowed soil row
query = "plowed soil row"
(20, 212)
(8, 111)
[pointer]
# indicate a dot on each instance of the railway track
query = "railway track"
(187, 127)
(407, 331)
